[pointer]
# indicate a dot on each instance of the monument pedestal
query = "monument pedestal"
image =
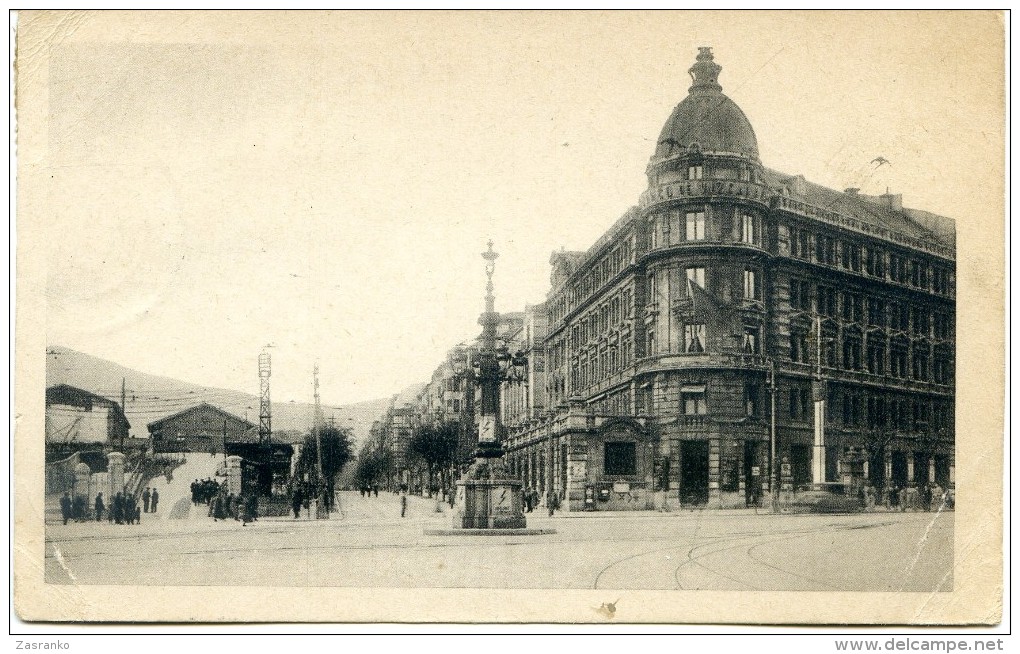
(488, 505)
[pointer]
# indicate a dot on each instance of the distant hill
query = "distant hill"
(150, 397)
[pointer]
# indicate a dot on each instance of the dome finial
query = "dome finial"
(705, 72)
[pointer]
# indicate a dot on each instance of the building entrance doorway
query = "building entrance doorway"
(694, 472)
(899, 469)
(876, 469)
(942, 470)
(800, 465)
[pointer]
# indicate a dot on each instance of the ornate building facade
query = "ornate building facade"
(735, 310)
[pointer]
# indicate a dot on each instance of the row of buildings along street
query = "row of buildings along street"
(740, 330)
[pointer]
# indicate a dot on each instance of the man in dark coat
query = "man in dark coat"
(99, 507)
(65, 507)
(252, 507)
(295, 503)
(78, 507)
(118, 508)
(155, 500)
(145, 499)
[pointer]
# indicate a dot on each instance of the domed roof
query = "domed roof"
(706, 118)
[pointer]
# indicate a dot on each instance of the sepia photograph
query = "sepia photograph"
(676, 317)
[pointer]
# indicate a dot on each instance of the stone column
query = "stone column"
(234, 475)
(116, 467)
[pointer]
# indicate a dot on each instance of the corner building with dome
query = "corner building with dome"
(660, 352)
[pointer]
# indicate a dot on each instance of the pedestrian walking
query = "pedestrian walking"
(251, 507)
(118, 508)
(145, 499)
(155, 499)
(219, 508)
(100, 507)
(403, 504)
(65, 507)
(553, 502)
(295, 503)
(78, 508)
(375, 490)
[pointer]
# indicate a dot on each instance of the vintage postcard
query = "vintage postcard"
(673, 317)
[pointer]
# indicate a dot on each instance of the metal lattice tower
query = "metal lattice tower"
(265, 410)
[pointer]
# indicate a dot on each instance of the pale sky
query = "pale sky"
(201, 185)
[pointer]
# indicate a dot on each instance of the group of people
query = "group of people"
(368, 491)
(204, 490)
(123, 508)
(227, 506)
(926, 497)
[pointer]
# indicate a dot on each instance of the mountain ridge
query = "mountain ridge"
(151, 397)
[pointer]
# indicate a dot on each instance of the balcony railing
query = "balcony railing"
(705, 188)
(847, 222)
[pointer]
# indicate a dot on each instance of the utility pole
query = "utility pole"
(224, 440)
(818, 460)
(123, 407)
(316, 422)
(773, 461)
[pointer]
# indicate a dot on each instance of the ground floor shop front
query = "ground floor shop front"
(616, 463)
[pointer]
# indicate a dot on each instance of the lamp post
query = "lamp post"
(490, 499)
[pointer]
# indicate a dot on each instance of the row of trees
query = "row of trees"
(432, 448)
(336, 452)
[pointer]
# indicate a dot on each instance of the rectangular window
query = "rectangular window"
(876, 312)
(752, 285)
(876, 356)
(695, 172)
(918, 274)
(694, 337)
(649, 342)
(696, 276)
(941, 366)
(695, 225)
(940, 280)
(920, 361)
(826, 301)
(897, 268)
(693, 400)
(875, 262)
(749, 231)
(751, 393)
(653, 232)
(620, 458)
(851, 256)
(825, 249)
(898, 362)
(851, 354)
(800, 243)
(941, 326)
(852, 307)
(456, 406)
(851, 410)
(922, 321)
(897, 317)
(800, 403)
(799, 347)
(751, 345)
(800, 294)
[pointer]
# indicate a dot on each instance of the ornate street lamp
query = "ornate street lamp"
(487, 498)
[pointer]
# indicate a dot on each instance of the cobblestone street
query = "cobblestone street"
(372, 546)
